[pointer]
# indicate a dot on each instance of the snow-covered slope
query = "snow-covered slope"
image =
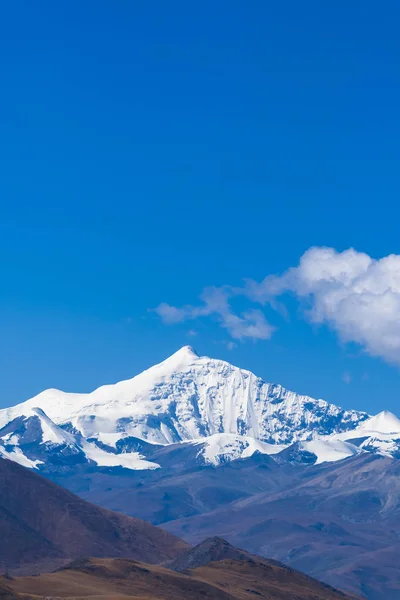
(379, 434)
(329, 450)
(16, 455)
(185, 398)
(225, 447)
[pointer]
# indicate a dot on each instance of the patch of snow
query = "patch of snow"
(10, 439)
(17, 456)
(224, 447)
(109, 439)
(329, 450)
(384, 445)
(129, 460)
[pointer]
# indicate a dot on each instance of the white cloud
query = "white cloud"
(355, 295)
(251, 324)
(170, 314)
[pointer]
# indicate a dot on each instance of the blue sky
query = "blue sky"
(151, 149)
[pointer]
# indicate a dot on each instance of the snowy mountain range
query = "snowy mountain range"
(214, 410)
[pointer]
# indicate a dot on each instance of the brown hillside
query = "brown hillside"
(43, 524)
(118, 579)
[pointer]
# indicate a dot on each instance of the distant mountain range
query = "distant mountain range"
(204, 448)
(222, 411)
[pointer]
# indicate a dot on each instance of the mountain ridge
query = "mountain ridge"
(236, 578)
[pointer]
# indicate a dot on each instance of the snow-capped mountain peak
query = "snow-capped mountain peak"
(187, 398)
(383, 422)
(50, 431)
(180, 359)
(379, 434)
